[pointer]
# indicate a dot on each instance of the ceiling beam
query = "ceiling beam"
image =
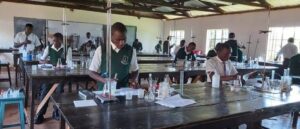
(117, 6)
(265, 4)
(243, 2)
(80, 7)
(163, 3)
(213, 6)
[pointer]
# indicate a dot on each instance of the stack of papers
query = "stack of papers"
(84, 103)
(175, 101)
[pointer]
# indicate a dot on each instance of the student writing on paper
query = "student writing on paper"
(221, 64)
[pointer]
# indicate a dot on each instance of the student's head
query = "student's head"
(160, 42)
(136, 40)
(224, 52)
(118, 34)
(168, 38)
(57, 40)
(291, 40)
(88, 34)
(182, 43)
(28, 28)
(231, 35)
(218, 46)
(191, 47)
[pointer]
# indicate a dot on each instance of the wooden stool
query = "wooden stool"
(5, 64)
(5, 100)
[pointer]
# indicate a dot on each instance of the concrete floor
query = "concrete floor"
(12, 115)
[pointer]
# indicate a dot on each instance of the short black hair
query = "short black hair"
(88, 33)
(218, 45)
(291, 40)
(118, 26)
(231, 35)
(193, 44)
(58, 35)
(182, 42)
(29, 25)
(223, 46)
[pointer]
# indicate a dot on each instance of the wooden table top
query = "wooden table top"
(168, 68)
(151, 55)
(215, 108)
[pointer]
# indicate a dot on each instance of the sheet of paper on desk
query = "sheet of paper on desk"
(84, 103)
(175, 101)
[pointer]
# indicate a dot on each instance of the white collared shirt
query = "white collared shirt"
(96, 61)
(46, 51)
(21, 37)
(215, 64)
(289, 50)
(87, 39)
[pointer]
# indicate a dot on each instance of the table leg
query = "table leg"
(26, 94)
(62, 122)
(254, 125)
(295, 119)
(32, 106)
(16, 75)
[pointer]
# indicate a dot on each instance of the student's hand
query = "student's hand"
(133, 84)
(28, 41)
(42, 62)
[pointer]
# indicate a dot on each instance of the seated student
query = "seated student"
(88, 46)
(221, 64)
(55, 51)
(186, 52)
(213, 52)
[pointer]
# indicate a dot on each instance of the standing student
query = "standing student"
(221, 64)
(288, 51)
(123, 60)
(186, 52)
(89, 38)
(55, 51)
(137, 45)
(166, 46)
(234, 45)
(158, 47)
(181, 45)
(26, 40)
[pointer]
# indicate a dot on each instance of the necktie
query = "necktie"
(224, 67)
(25, 45)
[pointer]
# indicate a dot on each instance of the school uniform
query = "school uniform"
(123, 62)
(182, 54)
(223, 68)
(21, 37)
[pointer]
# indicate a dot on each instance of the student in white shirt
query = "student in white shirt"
(288, 51)
(123, 58)
(26, 40)
(221, 64)
(89, 38)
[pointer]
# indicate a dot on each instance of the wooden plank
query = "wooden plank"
(53, 88)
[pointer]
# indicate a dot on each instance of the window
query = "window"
(278, 37)
(215, 36)
(176, 36)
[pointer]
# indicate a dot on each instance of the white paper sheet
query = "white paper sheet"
(84, 103)
(175, 101)
(121, 92)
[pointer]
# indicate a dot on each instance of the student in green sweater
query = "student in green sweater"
(55, 51)
(123, 60)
